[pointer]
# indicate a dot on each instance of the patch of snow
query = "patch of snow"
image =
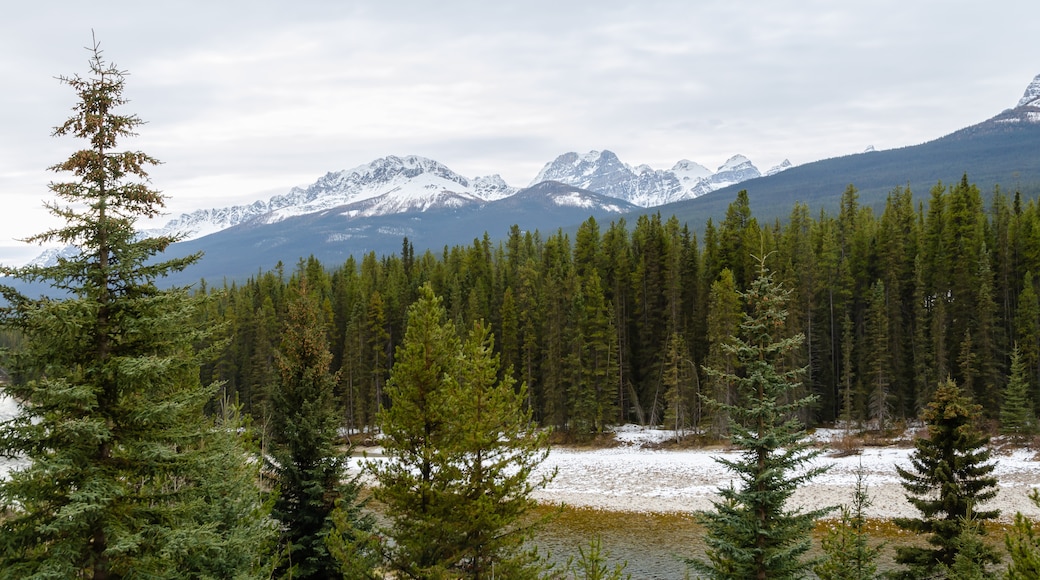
(689, 171)
(784, 166)
(733, 163)
(633, 477)
(1032, 94)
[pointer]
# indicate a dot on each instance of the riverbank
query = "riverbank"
(635, 476)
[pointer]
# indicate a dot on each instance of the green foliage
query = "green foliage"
(949, 478)
(1017, 417)
(972, 557)
(848, 554)
(751, 534)
(309, 471)
(126, 476)
(724, 311)
(593, 564)
(585, 322)
(460, 452)
(680, 389)
(1023, 545)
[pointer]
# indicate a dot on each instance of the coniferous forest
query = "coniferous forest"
(617, 322)
(199, 432)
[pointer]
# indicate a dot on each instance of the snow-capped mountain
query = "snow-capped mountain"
(604, 173)
(394, 185)
(1026, 111)
(50, 256)
(1031, 98)
(735, 170)
(784, 166)
(388, 185)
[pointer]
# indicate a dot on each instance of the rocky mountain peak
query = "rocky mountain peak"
(783, 166)
(1031, 98)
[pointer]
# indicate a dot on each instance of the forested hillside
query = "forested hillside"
(616, 324)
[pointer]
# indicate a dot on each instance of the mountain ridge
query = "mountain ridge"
(395, 184)
(370, 207)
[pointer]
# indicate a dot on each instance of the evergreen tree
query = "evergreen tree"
(460, 451)
(1023, 545)
(751, 534)
(309, 469)
(949, 479)
(848, 554)
(592, 565)
(593, 361)
(724, 313)
(679, 389)
(1016, 411)
(879, 365)
(1027, 332)
(126, 476)
(848, 399)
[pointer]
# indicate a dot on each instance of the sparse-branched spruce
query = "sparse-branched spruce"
(125, 476)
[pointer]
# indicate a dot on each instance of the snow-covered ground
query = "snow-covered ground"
(634, 477)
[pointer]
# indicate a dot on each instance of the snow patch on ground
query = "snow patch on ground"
(634, 477)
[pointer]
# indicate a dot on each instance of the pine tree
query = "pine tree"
(751, 534)
(949, 479)
(309, 470)
(460, 451)
(126, 476)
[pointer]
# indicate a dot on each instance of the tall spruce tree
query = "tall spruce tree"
(680, 391)
(751, 533)
(125, 475)
(724, 311)
(949, 479)
(879, 361)
(309, 470)
(1017, 417)
(461, 450)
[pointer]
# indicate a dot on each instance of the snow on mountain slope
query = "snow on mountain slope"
(1027, 110)
(735, 170)
(689, 173)
(784, 166)
(1031, 98)
(390, 184)
(603, 173)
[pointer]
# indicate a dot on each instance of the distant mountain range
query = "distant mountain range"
(401, 185)
(373, 206)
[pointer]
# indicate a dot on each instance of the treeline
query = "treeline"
(617, 323)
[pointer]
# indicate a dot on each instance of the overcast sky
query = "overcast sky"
(247, 99)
